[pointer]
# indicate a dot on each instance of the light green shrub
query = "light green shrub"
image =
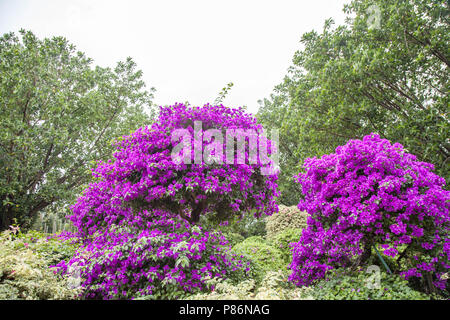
(49, 247)
(282, 240)
(25, 272)
(262, 256)
(286, 218)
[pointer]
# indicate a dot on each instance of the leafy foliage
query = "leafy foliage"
(345, 285)
(283, 241)
(159, 257)
(262, 256)
(245, 225)
(384, 71)
(24, 267)
(223, 93)
(233, 238)
(274, 286)
(130, 250)
(58, 116)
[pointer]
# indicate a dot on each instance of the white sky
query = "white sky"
(188, 50)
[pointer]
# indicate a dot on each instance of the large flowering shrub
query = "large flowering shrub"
(372, 193)
(144, 174)
(136, 220)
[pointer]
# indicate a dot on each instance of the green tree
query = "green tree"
(385, 70)
(58, 115)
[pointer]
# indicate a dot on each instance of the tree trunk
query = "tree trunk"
(362, 259)
(5, 220)
(194, 217)
(430, 287)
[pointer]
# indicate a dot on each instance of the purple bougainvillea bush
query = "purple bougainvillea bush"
(138, 221)
(373, 193)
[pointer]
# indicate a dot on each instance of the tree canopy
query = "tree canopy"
(58, 114)
(385, 70)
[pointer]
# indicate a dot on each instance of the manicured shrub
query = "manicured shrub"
(357, 285)
(283, 241)
(262, 256)
(24, 268)
(373, 193)
(286, 218)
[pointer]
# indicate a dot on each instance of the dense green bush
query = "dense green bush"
(233, 238)
(287, 217)
(24, 267)
(282, 242)
(262, 256)
(360, 285)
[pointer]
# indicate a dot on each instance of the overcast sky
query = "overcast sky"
(188, 50)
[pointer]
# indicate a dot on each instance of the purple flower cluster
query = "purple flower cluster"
(144, 175)
(137, 219)
(165, 259)
(372, 193)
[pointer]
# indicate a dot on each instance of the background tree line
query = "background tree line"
(58, 115)
(385, 70)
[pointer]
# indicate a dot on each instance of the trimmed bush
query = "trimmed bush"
(286, 218)
(283, 242)
(263, 256)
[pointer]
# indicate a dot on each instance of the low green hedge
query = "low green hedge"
(282, 242)
(262, 256)
(362, 285)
